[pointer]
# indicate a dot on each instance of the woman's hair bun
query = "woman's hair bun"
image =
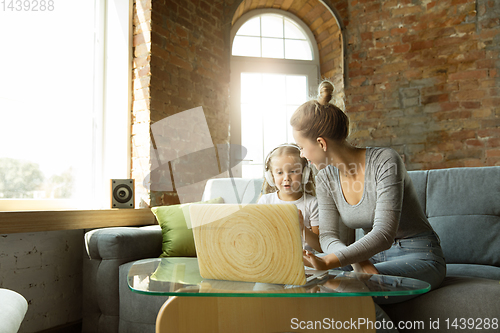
(325, 92)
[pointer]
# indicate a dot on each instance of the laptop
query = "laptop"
(251, 243)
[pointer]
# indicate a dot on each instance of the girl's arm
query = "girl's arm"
(312, 239)
(312, 235)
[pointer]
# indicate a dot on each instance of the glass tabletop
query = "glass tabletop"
(181, 277)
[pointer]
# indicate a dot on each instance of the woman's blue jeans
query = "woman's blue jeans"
(419, 257)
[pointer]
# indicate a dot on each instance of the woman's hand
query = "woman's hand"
(312, 261)
(321, 263)
(365, 267)
(306, 261)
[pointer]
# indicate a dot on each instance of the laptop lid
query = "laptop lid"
(252, 242)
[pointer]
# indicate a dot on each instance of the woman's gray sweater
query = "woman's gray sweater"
(388, 210)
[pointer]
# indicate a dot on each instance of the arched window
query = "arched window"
(274, 69)
(272, 36)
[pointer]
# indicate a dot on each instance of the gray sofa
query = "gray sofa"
(462, 204)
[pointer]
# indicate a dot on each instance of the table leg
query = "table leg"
(266, 314)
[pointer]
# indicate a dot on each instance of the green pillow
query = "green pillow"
(173, 270)
(177, 238)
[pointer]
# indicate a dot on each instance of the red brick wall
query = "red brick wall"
(423, 78)
(181, 63)
(141, 99)
(420, 76)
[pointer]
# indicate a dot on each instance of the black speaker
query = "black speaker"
(122, 193)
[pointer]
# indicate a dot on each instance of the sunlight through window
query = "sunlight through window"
(274, 69)
(267, 103)
(47, 107)
(64, 106)
(272, 36)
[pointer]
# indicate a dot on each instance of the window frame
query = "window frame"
(257, 12)
(240, 64)
(111, 131)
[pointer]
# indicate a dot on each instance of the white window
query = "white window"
(64, 102)
(274, 69)
(272, 36)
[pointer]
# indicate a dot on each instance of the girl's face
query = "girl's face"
(311, 150)
(287, 175)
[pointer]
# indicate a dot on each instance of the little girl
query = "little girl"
(289, 180)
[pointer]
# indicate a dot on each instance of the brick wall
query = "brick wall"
(419, 76)
(423, 78)
(141, 99)
(181, 62)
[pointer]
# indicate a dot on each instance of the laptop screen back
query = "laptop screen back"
(253, 243)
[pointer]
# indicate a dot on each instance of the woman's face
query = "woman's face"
(311, 150)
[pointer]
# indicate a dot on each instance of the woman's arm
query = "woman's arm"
(331, 261)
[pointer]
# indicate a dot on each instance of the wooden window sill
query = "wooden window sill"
(35, 221)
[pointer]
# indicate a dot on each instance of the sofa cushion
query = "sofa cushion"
(462, 207)
(419, 180)
(457, 297)
(469, 239)
(177, 237)
(480, 271)
(463, 191)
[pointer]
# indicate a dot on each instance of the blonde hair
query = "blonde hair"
(320, 118)
(325, 92)
(288, 149)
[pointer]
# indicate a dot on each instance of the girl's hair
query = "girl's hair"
(320, 118)
(288, 149)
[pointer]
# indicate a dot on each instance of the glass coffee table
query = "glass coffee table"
(202, 305)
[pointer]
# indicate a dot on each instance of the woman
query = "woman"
(365, 188)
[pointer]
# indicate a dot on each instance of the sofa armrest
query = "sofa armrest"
(106, 249)
(124, 243)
